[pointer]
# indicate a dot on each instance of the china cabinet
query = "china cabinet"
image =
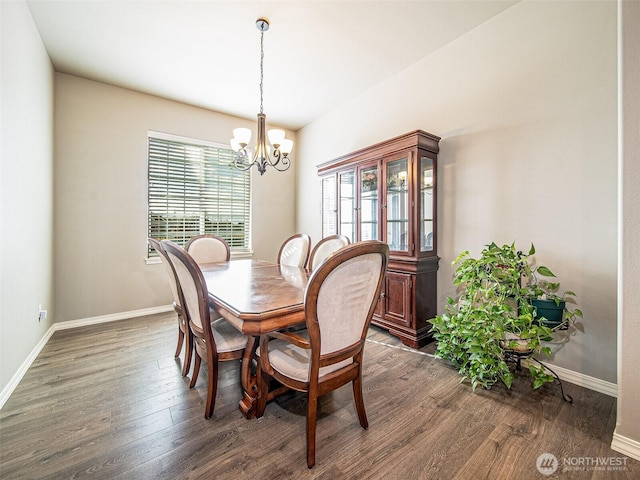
(388, 192)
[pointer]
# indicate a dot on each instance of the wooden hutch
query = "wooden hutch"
(388, 192)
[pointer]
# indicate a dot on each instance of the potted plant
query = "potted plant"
(550, 306)
(492, 322)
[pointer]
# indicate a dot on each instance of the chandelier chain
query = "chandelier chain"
(261, 68)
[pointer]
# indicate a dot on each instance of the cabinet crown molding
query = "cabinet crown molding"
(420, 138)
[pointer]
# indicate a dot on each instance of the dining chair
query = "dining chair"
(339, 302)
(295, 250)
(184, 333)
(215, 340)
(326, 247)
(208, 248)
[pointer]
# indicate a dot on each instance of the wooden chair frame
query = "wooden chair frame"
(317, 386)
(184, 332)
(204, 343)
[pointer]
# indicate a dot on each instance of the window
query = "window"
(194, 189)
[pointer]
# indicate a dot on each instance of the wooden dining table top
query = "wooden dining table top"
(256, 296)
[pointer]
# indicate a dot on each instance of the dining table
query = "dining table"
(256, 297)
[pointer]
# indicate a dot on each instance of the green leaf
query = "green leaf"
(532, 250)
(544, 271)
(537, 383)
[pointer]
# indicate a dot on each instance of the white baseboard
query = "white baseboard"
(15, 380)
(626, 446)
(586, 381)
(112, 317)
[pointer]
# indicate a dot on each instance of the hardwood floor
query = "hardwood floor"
(108, 401)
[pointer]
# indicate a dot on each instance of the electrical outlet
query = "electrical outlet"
(42, 314)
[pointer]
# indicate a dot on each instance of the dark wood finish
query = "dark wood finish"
(317, 384)
(184, 332)
(256, 297)
(417, 138)
(410, 293)
(109, 402)
(397, 301)
(204, 343)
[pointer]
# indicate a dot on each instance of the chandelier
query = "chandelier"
(262, 157)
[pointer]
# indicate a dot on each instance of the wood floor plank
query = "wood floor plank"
(108, 401)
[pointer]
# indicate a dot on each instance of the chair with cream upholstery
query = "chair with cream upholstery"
(215, 340)
(295, 250)
(208, 248)
(184, 334)
(326, 247)
(339, 302)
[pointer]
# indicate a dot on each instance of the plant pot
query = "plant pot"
(549, 313)
(514, 344)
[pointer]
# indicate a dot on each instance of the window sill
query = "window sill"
(156, 260)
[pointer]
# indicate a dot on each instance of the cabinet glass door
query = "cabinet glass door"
(347, 196)
(426, 204)
(329, 206)
(397, 206)
(369, 203)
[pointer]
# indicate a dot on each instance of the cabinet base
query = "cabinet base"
(410, 338)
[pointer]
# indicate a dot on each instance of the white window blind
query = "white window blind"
(194, 189)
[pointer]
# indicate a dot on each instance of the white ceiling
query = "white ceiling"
(318, 54)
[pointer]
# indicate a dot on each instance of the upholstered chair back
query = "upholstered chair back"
(171, 275)
(208, 249)
(295, 250)
(326, 247)
(346, 297)
(192, 284)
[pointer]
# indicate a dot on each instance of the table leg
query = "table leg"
(248, 379)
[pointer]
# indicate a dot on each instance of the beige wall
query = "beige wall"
(526, 108)
(101, 195)
(627, 435)
(26, 182)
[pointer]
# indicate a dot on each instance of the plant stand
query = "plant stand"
(515, 357)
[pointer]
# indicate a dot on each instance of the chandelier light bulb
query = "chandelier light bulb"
(242, 135)
(286, 146)
(276, 137)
